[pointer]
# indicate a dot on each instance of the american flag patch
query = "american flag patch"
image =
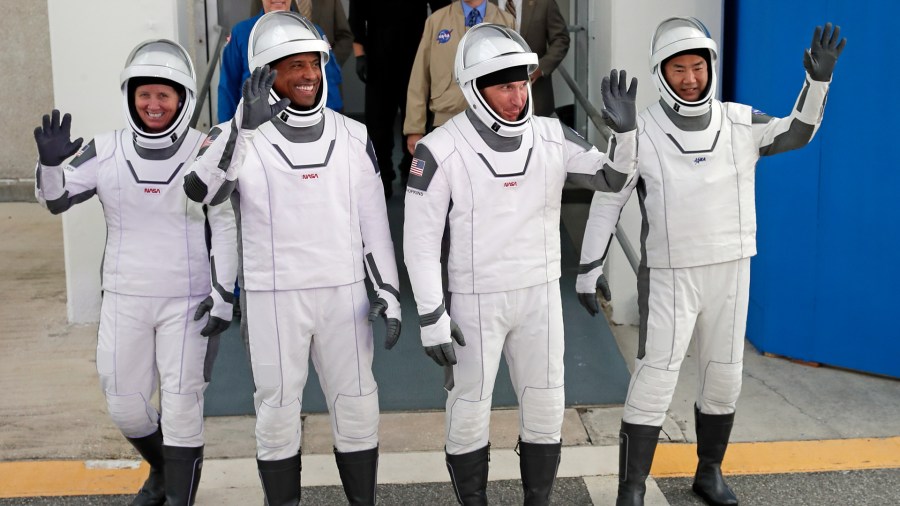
(417, 167)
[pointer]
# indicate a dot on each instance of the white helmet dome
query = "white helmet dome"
(163, 60)
(677, 35)
(279, 34)
(485, 49)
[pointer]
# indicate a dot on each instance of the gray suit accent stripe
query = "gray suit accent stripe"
(588, 267)
(141, 181)
(615, 180)
(611, 152)
(228, 152)
(370, 150)
(228, 296)
(643, 285)
(88, 152)
(64, 202)
(572, 136)
(524, 169)
(208, 140)
(802, 100)
(300, 135)
(224, 192)
(310, 166)
(432, 317)
(683, 151)
(796, 136)
(377, 275)
(159, 154)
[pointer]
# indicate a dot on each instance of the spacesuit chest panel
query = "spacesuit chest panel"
(500, 238)
(156, 243)
(694, 192)
(299, 220)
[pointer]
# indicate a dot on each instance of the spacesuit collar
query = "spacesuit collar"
(157, 153)
(300, 134)
(687, 123)
(494, 141)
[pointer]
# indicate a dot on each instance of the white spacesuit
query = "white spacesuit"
(312, 218)
(505, 179)
(695, 182)
(161, 272)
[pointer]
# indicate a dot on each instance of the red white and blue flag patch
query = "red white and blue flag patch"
(417, 167)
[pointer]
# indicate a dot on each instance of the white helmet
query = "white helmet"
(159, 60)
(283, 33)
(673, 36)
(485, 49)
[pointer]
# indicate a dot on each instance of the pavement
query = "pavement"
(803, 434)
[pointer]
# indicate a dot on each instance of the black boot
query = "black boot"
(637, 444)
(713, 432)
(538, 464)
(153, 491)
(358, 471)
(280, 480)
(183, 466)
(469, 476)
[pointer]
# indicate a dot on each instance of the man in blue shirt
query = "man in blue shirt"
(234, 69)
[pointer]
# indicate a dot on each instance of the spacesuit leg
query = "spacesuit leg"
(279, 329)
(534, 352)
(668, 307)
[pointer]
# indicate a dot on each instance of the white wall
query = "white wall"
(620, 32)
(89, 42)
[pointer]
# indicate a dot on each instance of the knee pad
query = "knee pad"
(182, 418)
(356, 416)
(469, 421)
(277, 429)
(651, 393)
(722, 383)
(132, 414)
(542, 410)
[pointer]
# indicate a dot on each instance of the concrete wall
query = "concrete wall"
(620, 32)
(27, 91)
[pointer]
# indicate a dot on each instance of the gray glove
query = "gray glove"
(53, 140)
(619, 110)
(256, 98)
(443, 354)
(391, 325)
(589, 300)
(823, 52)
(215, 325)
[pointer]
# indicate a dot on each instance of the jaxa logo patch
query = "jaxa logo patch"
(443, 36)
(699, 160)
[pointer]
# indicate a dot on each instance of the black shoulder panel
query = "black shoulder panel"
(422, 168)
(85, 154)
(572, 135)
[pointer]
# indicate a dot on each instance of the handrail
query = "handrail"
(207, 79)
(605, 133)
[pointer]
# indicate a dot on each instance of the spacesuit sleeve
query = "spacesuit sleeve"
(61, 187)
(223, 253)
(213, 175)
(378, 247)
(777, 135)
(425, 215)
(598, 234)
(606, 172)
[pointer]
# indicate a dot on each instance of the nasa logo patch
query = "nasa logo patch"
(443, 36)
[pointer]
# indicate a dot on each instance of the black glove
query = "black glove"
(362, 68)
(256, 98)
(619, 110)
(391, 325)
(215, 325)
(823, 52)
(53, 140)
(443, 354)
(589, 300)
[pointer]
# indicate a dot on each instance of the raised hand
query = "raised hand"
(824, 50)
(619, 110)
(255, 93)
(52, 139)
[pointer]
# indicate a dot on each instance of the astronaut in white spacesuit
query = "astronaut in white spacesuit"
(504, 172)
(161, 272)
(311, 218)
(695, 182)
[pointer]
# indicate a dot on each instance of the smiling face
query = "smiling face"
(299, 79)
(156, 106)
(276, 5)
(507, 99)
(687, 75)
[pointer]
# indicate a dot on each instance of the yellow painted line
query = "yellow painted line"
(62, 478)
(674, 460)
